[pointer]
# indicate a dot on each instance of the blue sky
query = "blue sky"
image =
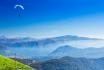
(49, 18)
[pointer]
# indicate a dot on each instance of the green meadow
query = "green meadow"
(9, 64)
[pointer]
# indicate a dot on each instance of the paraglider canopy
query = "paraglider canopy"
(19, 8)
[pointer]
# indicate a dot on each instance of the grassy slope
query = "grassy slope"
(9, 64)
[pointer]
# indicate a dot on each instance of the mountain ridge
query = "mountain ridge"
(77, 52)
(70, 63)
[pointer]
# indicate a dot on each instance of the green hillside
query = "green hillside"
(9, 64)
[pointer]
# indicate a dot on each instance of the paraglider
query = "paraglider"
(19, 8)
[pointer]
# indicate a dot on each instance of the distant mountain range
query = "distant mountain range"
(77, 52)
(70, 63)
(39, 47)
(29, 42)
(54, 53)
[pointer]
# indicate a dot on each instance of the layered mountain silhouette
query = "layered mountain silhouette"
(27, 42)
(70, 63)
(38, 47)
(77, 52)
